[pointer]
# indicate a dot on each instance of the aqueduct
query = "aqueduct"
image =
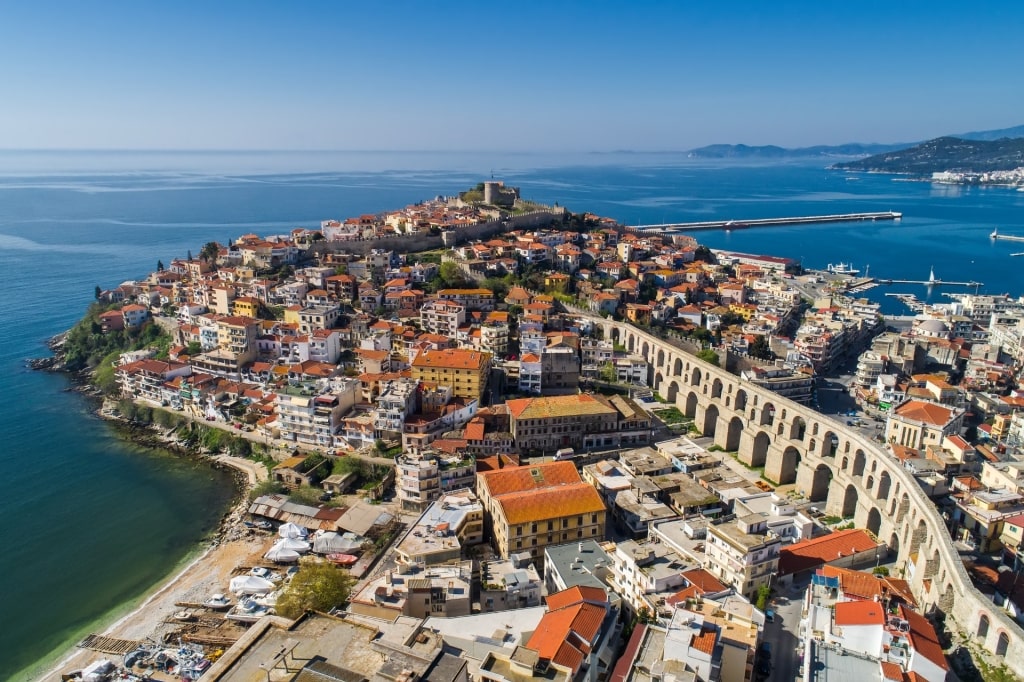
(834, 465)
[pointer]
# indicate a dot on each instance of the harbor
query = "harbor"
(766, 222)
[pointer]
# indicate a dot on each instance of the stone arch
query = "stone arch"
(695, 378)
(630, 343)
(874, 465)
(894, 544)
(918, 536)
(741, 400)
(814, 429)
(658, 378)
(661, 358)
(829, 445)
(767, 414)
(874, 524)
(946, 599)
(783, 414)
(672, 391)
(884, 483)
(790, 463)
(645, 350)
(902, 509)
(615, 335)
(846, 447)
(983, 624)
(1002, 644)
(677, 367)
(759, 451)
(819, 483)
(716, 388)
(690, 409)
(845, 463)
(849, 502)
(710, 420)
(870, 482)
(858, 463)
(798, 428)
(732, 437)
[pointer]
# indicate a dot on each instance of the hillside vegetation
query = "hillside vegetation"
(945, 154)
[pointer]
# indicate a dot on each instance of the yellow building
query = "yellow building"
(464, 370)
(533, 507)
(247, 306)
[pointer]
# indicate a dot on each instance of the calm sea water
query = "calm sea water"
(92, 522)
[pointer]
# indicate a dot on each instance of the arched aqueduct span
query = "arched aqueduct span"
(834, 465)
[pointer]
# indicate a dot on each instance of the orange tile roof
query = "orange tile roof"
(451, 358)
(557, 406)
(704, 581)
(578, 593)
(705, 641)
(475, 430)
(859, 613)
(540, 475)
(891, 672)
(565, 635)
(808, 554)
(930, 413)
(570, 499)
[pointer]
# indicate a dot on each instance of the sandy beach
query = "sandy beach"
(235, 546)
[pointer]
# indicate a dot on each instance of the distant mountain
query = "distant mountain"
(945, 154)
(742, 151)
(1016, 131)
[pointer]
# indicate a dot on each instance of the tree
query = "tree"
(450, 273)
(159, 266)
(761, 349)
(318, 586)
(708, 355)
(193, 348)
(190, 254)
(763, 593)
(99, 292)
(209, 252)
(608, 373)
(703, 253)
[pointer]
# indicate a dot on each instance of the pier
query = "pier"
(768, 222)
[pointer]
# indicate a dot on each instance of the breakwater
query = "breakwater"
(766, 222)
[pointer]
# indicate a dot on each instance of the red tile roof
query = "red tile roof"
(540, 475)
(808, 554)
(859, 613)
(705, 641)
(575, 594)
(565, 635)
(923, 637)
(921, 411)
(571, 499)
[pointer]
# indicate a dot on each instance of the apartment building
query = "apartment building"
(424, 477)
(742, 553)
(466, 371)
(532, 507)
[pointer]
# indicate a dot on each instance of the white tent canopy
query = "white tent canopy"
(290, 530)
(294, 544)
(250, 584)
(281, 555)
(331, 543)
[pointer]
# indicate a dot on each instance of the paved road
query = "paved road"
(783, 635)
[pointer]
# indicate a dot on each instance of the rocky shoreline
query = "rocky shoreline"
(151, 436)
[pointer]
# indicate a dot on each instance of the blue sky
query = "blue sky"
(572, 76)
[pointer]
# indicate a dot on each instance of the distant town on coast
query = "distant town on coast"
(488, 438)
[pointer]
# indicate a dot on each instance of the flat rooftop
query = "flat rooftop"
(360, 646)
(828, 665)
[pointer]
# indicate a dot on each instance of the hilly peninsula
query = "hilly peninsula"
(945, 154)
(770, 151)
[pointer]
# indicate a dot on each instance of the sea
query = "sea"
(92, 522)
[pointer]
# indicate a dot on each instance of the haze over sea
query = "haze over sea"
(92, 522)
